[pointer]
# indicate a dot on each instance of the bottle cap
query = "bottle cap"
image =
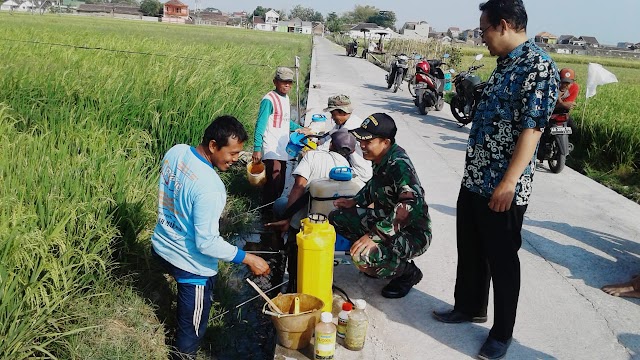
(347, 306)
(326, 317)
(360, 304)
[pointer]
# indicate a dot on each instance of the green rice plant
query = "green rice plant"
(87, 108)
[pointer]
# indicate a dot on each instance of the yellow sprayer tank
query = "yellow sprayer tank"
(316, 241)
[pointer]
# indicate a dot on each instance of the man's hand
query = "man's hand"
(281, 226)
(363, 245)
(256, 264)
(305, 130)
(344, 203)
(256, 157)
(502, 196)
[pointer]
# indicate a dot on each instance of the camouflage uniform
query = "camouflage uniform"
(399, 223)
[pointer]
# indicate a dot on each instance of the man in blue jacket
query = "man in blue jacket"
(187, 237)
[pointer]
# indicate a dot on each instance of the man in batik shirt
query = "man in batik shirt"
(515, 107)
(398, 228)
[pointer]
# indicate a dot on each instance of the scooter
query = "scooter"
(554, 144)
(428, 85)
(469, 88)
(397, 71)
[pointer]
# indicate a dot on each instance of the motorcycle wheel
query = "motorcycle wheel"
(440, 104)
(411, 85)
(556, 159)
(422, 106)
(456, 105)
(398, 81)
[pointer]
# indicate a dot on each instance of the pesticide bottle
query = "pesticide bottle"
(343, 319)
(357, 327)
(325, 343)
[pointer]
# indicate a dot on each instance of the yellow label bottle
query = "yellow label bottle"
(325, 343)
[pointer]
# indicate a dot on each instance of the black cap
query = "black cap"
(378, 125)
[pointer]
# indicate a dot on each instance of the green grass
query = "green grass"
(81, 135)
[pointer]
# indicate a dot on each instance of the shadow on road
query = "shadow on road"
(604, 255)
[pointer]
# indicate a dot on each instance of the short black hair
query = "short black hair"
(512, 11)
(222, 129)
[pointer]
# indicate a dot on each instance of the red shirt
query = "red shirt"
(571, 94)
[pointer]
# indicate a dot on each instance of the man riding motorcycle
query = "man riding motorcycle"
(568, 93)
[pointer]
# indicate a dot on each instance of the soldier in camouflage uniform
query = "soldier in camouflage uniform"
(398, 227)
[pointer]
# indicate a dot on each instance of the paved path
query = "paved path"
(577, 237)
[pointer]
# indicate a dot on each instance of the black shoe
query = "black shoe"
(401, 285)
(493, 349)
(456, 317)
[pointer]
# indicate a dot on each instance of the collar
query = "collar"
(387, 156)
(515, 53)
(197, 154)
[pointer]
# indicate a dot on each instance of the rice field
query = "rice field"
(88, 106)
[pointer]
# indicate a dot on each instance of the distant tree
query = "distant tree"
(260, 11)
(334, 22)
(386, 19)
(150, 7)
(317, 16)
(302, 13)
(283, 14)
(362, 13)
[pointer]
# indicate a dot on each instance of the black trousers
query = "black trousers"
(276, 171)
(488, 244)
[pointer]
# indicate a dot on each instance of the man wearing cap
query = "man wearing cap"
(316, 164)
(272, 134)
(342, 114)
(568, 91)
(398, 228)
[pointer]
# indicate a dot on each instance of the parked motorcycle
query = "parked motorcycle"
(468, 91)
(397, 71)
(428, 85)
(352, 48)
(554, 144)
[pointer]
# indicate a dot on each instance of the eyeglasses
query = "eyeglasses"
(483, 30)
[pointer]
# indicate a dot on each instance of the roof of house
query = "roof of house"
(10, 3)
(454, 28)
(367, 26)
(589, 39)
(565, 37)
(175, 3)
(548, 35)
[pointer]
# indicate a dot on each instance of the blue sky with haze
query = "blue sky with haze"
(610, 21)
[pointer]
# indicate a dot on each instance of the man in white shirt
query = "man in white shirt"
(342, 114)
(316, 164)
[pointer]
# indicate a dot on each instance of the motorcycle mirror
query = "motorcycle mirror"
(446, 56)
(452, 71)
(479, 56)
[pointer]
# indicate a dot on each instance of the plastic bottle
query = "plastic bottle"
(325, 343)
(343, 319)
(357, 327)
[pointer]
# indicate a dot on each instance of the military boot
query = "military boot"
(400, 286)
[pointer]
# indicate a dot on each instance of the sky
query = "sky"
(609, 21)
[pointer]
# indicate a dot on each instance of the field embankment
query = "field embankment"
(87, 108)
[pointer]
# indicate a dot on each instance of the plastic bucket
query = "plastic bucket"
(256, 174)
(295, 331)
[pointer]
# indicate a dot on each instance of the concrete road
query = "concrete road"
(578, 236)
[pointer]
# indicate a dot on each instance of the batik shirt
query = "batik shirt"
(520, 94)
(398, 197)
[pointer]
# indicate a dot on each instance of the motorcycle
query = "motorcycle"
(468, 91)
(554, 144)
(428, 85)
(397, 71)
(352, 48)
